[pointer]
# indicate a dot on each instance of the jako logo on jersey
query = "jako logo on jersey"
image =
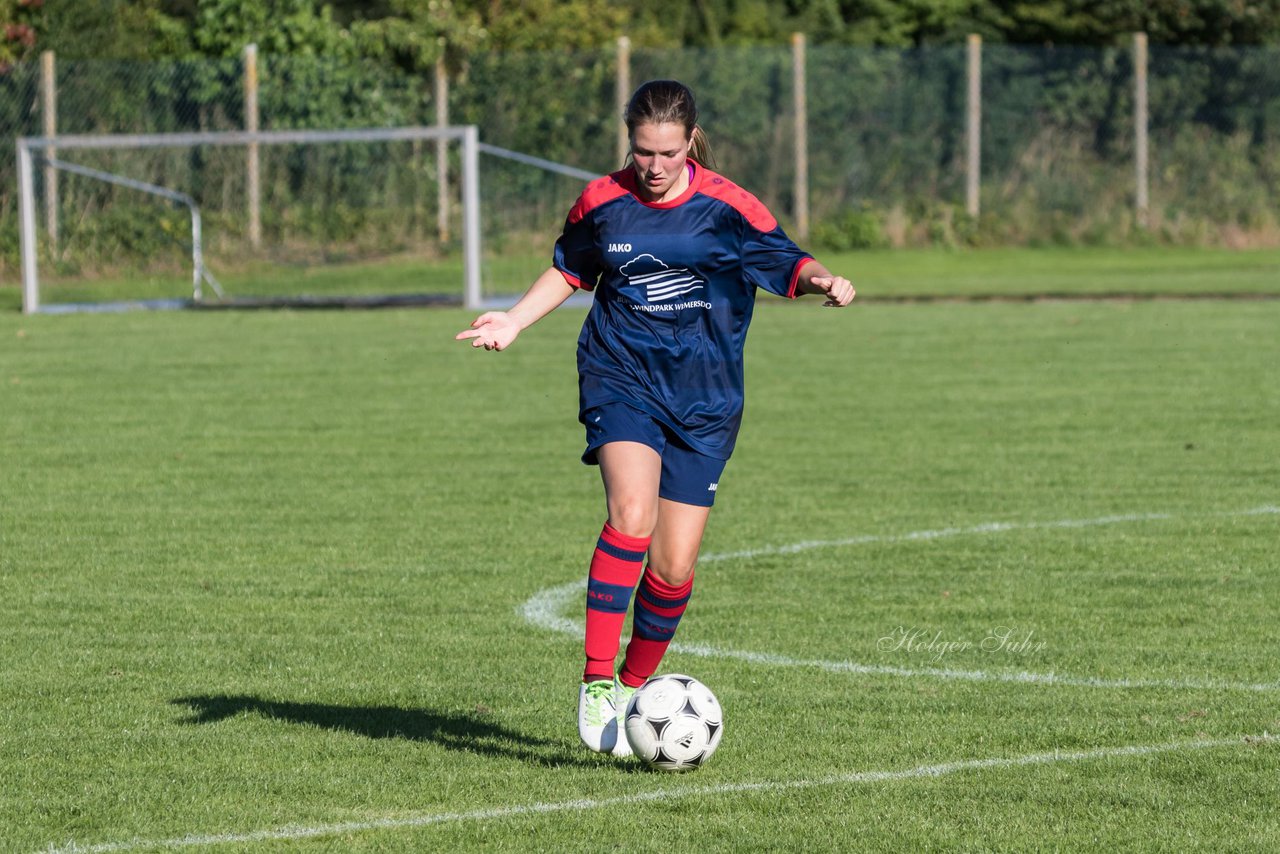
(619, 247)
(660, 282)
(711, 487)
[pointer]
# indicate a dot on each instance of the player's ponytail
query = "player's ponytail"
(701, 150)
(669, 102)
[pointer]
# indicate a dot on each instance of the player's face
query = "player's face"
(659, 152)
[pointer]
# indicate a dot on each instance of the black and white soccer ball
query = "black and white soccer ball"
(674, 723)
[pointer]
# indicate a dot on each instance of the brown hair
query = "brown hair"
(668, 102)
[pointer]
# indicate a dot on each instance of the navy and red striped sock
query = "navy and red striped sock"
(659, 607)
(615, 568)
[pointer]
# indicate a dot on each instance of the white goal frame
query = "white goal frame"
(29, 147)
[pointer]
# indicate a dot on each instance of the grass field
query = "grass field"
(985, 576)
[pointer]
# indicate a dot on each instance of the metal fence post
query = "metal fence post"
(442, 147)
(49, 117)
(253, 177)
(1140, 120)
(622, 93)
(799, 96)
(973, 128)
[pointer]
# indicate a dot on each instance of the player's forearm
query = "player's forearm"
(544, 295)
(810, 271)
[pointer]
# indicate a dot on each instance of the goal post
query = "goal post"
(29, 149)
(200, 274)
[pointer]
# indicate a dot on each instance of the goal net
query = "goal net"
(389, 216)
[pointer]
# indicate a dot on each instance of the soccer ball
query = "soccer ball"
(674, 723)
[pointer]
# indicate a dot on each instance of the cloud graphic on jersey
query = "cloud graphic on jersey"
(659, 281)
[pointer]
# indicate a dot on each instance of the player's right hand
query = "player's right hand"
(493, 330)
(839, 290)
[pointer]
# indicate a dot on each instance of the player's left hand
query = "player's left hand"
(838, 289)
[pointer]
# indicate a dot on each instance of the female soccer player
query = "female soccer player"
(674, 253)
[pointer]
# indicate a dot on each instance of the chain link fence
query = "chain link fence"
(886, 132)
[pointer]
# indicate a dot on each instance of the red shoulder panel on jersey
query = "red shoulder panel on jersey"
(720, 187)
(598, 192)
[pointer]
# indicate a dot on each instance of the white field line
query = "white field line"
(665, 795)
(940, 533)
(545, 608)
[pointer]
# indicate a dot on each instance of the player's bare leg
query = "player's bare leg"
(673, 533)
(631, 472)
(677, 537)
(662, 595)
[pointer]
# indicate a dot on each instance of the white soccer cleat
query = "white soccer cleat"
(622, 695)
(598, 717)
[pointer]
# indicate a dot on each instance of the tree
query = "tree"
(412, 34)
(20, 21)
(281, 27)
(1178, 22)
(98, 29)
(551, 24)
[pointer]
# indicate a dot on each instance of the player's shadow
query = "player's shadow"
(471, 733)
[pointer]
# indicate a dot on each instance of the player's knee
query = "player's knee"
(633, 517)
(673, 571)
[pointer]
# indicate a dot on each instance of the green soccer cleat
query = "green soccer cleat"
(622, 695)
(598, 716)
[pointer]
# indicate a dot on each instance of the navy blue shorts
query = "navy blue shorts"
(688, 476)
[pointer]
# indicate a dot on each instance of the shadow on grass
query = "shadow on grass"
(471, 733)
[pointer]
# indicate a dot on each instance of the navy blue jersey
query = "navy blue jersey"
(675, 284)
